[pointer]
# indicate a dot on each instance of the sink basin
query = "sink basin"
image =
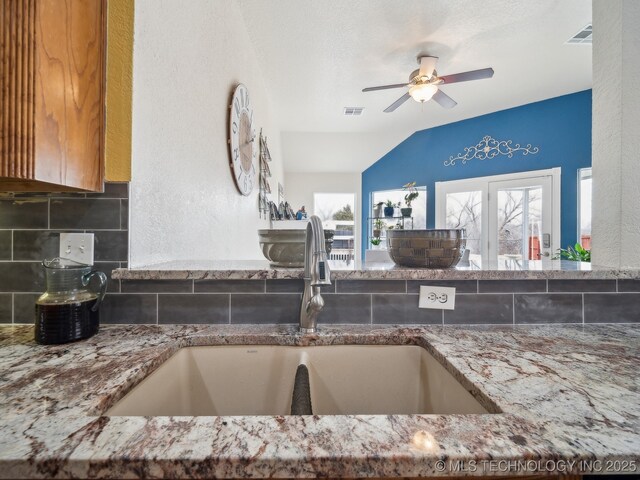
(259, 380)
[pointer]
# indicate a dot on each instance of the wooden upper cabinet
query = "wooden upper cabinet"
(52, 95)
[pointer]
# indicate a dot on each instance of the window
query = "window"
(337, 212)
(417, 220)
(584, 207)
(419, 205)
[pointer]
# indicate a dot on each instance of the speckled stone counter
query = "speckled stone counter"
(567, 400)
(260, 270)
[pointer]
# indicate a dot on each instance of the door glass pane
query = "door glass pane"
(464, 210)
(519, 225)
(585, 208)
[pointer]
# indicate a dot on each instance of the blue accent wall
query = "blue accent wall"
(560, 127)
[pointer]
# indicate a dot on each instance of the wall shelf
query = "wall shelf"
(406, 223)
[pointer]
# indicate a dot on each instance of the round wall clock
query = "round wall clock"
(241, 140)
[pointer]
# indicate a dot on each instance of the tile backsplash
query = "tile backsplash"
(30, 224)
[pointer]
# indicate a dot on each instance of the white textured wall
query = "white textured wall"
(337, 151)
(188, 56)
(616, 133)
(300, 188)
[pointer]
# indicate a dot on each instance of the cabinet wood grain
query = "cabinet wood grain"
(52, 92)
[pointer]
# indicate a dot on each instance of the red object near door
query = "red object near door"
(534, 248)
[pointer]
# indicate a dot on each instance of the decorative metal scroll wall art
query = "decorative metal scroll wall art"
(489, 148)
(265, 173)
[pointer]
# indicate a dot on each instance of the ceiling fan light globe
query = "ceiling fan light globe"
(422, 92)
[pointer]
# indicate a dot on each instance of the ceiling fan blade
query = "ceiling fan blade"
(444, 100)
(397, 103)
(466, 76)
(427, 66)
(384, 87)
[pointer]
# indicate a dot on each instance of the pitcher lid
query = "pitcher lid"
(61, 262)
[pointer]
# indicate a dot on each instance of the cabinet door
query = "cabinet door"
(53, 56)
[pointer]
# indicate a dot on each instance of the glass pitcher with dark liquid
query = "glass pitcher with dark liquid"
(68, 310)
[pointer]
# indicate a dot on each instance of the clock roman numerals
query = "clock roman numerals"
(241, 102)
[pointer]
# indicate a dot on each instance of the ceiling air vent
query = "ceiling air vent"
(583, 37)
(353, 111)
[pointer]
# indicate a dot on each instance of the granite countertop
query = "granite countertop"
(260, 270)
(565, 395)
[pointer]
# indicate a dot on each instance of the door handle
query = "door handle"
(545, 254)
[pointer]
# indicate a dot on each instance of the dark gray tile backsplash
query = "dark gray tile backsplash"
(111, 245)
(481, 309)
(35, 244)
(371, 286)
(155, 286)
(6, 307)
(511, 286)
(582, 285)
(287, 286)
(21, 277)
(612, 308)
(124, 214)
(85, 214)
(5, 244)
(30, 226)
(193, 308)
(24, 307)
(548, 308)
(24, 212)
(112, 190)
(628, 285)
(345, 308)
(124, 308)
(261, 308)
(403, 309)
(229, 286)
(29, 231)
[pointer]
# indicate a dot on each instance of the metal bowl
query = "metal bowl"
(426, 248)
(285, 248)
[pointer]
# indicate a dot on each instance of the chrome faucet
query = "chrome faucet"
(316, 274)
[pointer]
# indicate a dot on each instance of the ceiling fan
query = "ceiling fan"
(424, 84)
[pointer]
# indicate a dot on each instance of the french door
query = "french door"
(510, 219)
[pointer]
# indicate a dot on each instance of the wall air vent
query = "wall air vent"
(583, 37)
(353, 111)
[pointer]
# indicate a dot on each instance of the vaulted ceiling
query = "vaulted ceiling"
(317, 55)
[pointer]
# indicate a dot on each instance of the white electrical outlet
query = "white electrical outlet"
(77, 247)
(443, 298)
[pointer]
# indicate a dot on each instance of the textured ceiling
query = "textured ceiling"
(317, 55)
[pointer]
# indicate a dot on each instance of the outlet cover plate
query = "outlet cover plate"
(77, 247)
(442, 298)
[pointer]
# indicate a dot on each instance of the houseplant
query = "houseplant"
(377, 209)
(378, 225)
(389, 209)
(577, 253)
(412, 194)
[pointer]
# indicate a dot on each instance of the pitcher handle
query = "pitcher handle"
(103, 286)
